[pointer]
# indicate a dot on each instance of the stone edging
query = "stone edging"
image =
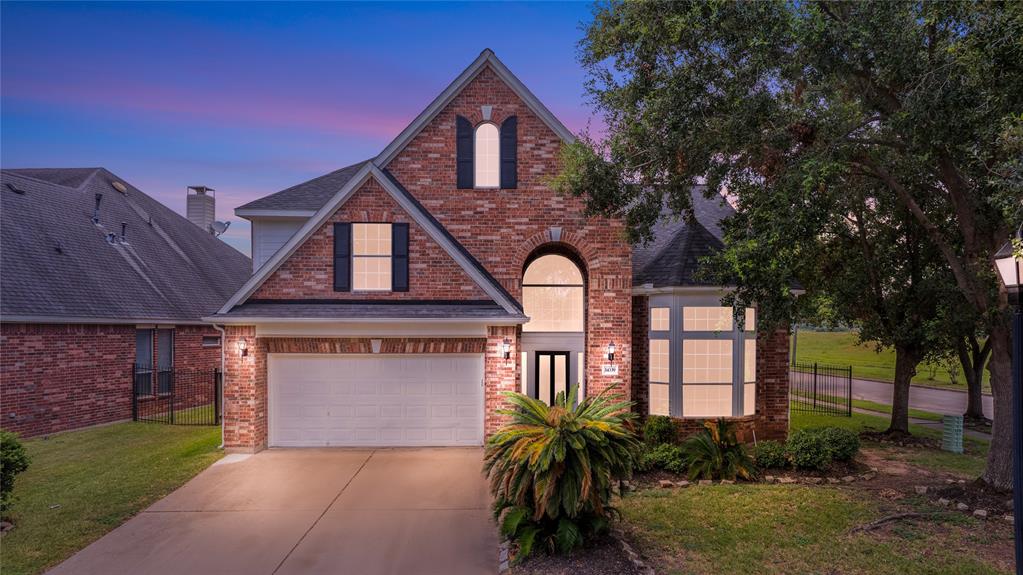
(632, 555)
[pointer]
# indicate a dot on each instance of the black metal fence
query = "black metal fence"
(176, 396)
(819, 388)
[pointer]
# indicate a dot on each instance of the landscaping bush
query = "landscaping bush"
(658, 430)
(13, 460)
(843, 443)
(552, 468)
(664, 456)
(715, 453)
(771, 455)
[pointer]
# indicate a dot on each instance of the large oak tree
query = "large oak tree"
(774, 101)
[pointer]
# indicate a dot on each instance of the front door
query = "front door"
(551, 375)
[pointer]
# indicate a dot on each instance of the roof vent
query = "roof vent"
(112, 238)
(95, 211)
(124, 232)
(119, 187)
(59, 247)
(15, 189)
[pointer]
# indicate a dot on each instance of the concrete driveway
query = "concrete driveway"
(286, 511)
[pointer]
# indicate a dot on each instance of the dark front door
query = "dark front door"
(551, 375)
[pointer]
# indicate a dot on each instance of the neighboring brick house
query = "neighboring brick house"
(394, 300)
(97, 278)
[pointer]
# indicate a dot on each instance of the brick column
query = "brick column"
(245, 410)
(773, 384)
(499, 374)
(640, 355)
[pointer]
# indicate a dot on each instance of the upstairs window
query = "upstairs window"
(371, 257)
(487, 154)
(552, 295)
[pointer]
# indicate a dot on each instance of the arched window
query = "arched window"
(488, 156)
(552, 295)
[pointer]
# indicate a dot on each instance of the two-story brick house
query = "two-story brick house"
(394, 300)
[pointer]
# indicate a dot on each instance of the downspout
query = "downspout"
(223, 380)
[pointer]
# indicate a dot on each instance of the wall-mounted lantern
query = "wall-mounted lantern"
(506, 349)
(243, 348)
(611, 351)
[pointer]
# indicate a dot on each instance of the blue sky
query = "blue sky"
(252, 98)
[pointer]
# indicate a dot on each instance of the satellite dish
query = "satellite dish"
(219, 227)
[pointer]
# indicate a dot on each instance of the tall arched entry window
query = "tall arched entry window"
(554, 298)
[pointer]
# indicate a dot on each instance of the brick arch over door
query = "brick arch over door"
(544, 242)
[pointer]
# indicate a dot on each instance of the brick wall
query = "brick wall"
(309, 272)
(245, 415)
(640, 354)
(500, 374)
(58, 377)
(502, 228)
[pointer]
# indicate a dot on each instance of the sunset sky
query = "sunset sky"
(253, 98)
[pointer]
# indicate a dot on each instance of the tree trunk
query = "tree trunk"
(999, 458)
(973, 358)
(906, 360)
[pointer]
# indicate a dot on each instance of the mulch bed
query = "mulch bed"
(602, 557)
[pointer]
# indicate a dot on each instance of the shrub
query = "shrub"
(807, 449)
(715, 453)
(817, 447)
(552, 468)
(842, 443)
(659, 429)
(664, 456)
(771, 455)
(13, 460)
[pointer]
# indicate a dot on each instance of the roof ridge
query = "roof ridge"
(17, 173)
(305, 183)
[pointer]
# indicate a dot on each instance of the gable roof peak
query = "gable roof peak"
(486, 58)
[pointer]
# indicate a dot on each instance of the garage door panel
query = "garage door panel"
(375, 400)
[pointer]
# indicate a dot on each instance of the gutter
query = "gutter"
(223, 379)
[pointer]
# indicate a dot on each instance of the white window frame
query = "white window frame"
(574, 287)
(388, 257)
(477, 158)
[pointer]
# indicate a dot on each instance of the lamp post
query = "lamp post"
(1009, 263)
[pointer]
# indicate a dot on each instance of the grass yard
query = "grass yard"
(840, 348)
(82, 484)
(769, 529)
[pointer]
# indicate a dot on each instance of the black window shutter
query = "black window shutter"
(399, 257)
(343, 257)
(464, 152)
(509, 153)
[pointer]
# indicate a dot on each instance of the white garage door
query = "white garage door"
(375, 400)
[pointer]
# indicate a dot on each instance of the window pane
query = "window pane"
(749, 399)
(658, 399)
(371, 274)
(707, 401)
(552, 270)
(553, 308)
(659, 319)
(706, 361)
(751, 319)
(750, 361)
(371, 239)
(487, 156)
(659, 369)
(707, 319)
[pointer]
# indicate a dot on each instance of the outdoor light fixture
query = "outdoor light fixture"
(1008, 262)
(243, 348)
(506, 349)
(611, 351)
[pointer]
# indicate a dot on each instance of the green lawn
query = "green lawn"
(84, 483)
(840, 348)
(769, 529)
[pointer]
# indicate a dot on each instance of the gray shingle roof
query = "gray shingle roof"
(55, 262)
(309, 195)
(672, 257)
(370, 310)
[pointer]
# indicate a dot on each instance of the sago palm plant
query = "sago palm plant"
(715, 453)
(552, 468)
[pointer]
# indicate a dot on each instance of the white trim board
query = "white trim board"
(367, 171)
(486, 57)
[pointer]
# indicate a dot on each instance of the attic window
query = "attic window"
(488, 156)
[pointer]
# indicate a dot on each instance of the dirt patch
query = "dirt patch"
(603, 557)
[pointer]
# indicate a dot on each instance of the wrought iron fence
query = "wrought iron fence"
(179, 396)
(820, 388)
